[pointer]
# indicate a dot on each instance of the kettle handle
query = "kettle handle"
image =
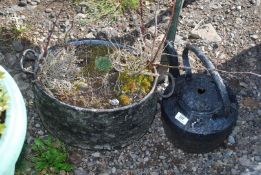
(211, 69)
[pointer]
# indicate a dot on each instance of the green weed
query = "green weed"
(129, 4)
(11, 33)
(50, 153)
(98, 9)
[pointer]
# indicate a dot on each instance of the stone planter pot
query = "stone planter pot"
(95, 129)
(12, 140)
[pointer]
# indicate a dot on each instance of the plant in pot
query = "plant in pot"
(95, 94)
(13, 122)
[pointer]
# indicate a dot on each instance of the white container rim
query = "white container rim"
(12, 140)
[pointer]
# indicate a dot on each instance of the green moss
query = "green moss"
(145, 86)
(135, 83)
(124, 100)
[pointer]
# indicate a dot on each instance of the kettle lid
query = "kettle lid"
(199, 94)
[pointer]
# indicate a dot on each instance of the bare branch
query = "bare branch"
(45, 49)
(165, 36)
(202, 69)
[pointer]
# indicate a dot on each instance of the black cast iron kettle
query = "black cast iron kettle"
(202, 111)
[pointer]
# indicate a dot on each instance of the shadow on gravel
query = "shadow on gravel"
(12, 39)
(248, 60)
(130, 38)
(248, 88)
(12, 43)
(188, 2)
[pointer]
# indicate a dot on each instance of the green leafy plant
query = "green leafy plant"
(3, 106)
(50, 153)
(2, 127)
(103, 64)
(97, 9)
(129, 4)
(12, 32)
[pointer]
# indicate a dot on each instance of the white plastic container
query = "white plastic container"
(12, 140)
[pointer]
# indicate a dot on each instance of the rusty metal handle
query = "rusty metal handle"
(172, 83)
(24, 58)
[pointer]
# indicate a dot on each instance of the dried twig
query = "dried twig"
(45, 49)
(165, 36)
(156, 26)
(205, 69)
(68, 31)
(141, 18)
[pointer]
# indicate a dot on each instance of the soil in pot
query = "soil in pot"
(96, 76)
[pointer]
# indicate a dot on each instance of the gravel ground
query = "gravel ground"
(235, 46)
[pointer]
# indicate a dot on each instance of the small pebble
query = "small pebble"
(37, 1)
(18, 46)
(231, 140)
(79, 171)
(154, 173)
(146, 159)
(162, 157)
(22, 3)
(48, 10)
(114, 102)
(239, 7)
(40, 132)
(33, 3)
(113, 170)
(254, 37)
(96, 154)
(253, 1)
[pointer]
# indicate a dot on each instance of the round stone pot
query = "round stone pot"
(95, 129)
(12, 140)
